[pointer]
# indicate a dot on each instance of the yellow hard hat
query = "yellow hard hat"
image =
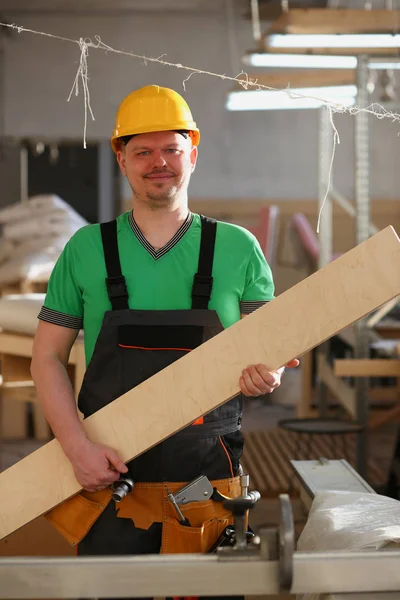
(153, 108)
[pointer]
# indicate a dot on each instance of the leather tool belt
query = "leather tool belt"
(148, 504)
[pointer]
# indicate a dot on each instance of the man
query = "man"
(147, 288)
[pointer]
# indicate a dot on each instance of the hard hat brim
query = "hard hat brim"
(193, 132)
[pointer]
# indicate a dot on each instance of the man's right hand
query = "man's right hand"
(95, 466)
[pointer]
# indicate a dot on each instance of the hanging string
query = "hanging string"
(336, 141)
(82, 73)
(242, 78)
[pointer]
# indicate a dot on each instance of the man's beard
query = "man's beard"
(163, 198)
(156, 200)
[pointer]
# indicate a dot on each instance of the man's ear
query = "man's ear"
(121, 161)
(193, 157)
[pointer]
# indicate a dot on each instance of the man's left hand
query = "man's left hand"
(257, 380)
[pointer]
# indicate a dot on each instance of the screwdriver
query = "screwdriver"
(182, 519)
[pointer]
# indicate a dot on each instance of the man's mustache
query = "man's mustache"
(160, 172)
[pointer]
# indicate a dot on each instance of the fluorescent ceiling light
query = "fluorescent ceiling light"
(279, 100)
(305, 61)
(337, 40)
(314, 61)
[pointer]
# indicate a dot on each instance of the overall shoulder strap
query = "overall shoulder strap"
(115, 281)
(203, 281)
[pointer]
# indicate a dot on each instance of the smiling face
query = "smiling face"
(158, 167)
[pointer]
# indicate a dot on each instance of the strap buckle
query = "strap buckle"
(116, 287)
(202, 286)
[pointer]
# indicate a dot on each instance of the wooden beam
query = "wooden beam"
(383, 395)
(15, 355)
(238, 208)
(389, 416)
(304, 78)
(272, 10)
(342, 392)
(21, 345)
(348, 336)
(388, 329)
(335, 20)
(303, 408)
(374, 367)
(291, 325)
(13, 416)
(382, 312)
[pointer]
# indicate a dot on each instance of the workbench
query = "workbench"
(316, 476)
(270, 565)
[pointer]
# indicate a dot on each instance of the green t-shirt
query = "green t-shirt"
(156, 280)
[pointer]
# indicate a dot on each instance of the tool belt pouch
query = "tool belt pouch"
(207, 518)
(74, 517)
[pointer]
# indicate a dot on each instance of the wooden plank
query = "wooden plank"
(17, 344)
(16, 352)
(332, 21)
(383, 395)
(244, 208)
(15, 369)
(41, 428)
(13, 420)
(295, 322)
(23, 392)
(388, 329)
(348, 336)
(271, 10)
(14, 415)
(303, 409)
(389, 416)
(366, 367)
(382, 312)
(16, 391)
(343, 392)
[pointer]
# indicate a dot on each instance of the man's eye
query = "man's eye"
(144, 153)
(172, 150)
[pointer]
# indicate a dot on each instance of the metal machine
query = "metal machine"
(264, 564)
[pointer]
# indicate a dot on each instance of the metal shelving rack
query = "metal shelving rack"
(363, 229)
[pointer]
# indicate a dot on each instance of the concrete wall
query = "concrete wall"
(242, 155)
